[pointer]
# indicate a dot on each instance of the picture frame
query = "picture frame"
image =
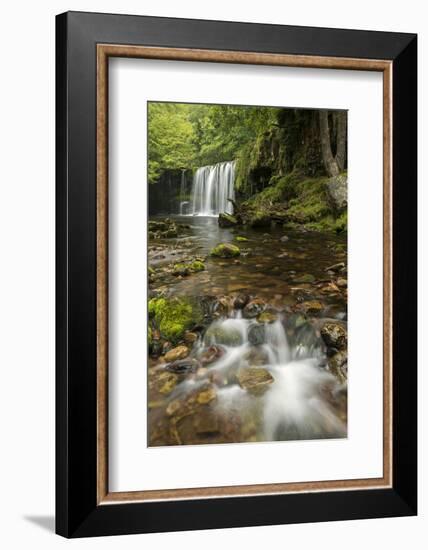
(84, 44)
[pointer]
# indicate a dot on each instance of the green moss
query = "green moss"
(311, 203)
(225, 250)
(156, 305)
(173, 317)
(341, 223)
(240, 239)
(197, 265)
(181, 269)
(149, 336)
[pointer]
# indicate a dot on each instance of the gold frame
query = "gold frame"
(104, 51)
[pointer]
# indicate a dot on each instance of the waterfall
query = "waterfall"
(212, 187)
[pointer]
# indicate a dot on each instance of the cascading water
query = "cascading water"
(213, 186)
(299, 404)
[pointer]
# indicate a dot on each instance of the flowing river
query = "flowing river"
(258, 369)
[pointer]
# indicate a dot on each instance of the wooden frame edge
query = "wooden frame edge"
(103, 52)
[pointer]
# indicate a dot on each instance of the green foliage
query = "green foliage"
(190, 135)
(171, 138)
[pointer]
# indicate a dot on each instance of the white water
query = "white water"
(212, 188)
(298, 404)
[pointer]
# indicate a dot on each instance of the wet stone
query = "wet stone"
(180, 352)
(254, 308)
(255, 380)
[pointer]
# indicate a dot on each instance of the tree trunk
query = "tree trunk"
(341, 139)
(330, 163)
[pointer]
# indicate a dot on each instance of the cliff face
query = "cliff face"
(165, 195)
(293, 145)
(282, 177)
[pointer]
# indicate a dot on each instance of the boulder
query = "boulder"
(180, 352)
(334, 335)
(256, 380)
(256, 334)
(337, 191)
(254, 308)
(226, 220)
(267, 317)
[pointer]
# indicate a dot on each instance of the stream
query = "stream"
(269, 361)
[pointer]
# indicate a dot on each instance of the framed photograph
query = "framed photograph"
(236, 274)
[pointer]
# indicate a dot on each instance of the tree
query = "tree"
(170, 138)
(334, 164)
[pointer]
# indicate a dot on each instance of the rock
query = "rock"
(334, 335)
(206, 422)
(183, 366)
(226, 336)
(284, 239)
(337, 191)
(341, 282)
(226, 220)
(305, 278)
(190, 337)
(337, 365)
(225, 250)
(173, 407)
(267, 317)
(255, 380)
(196, 266)
(254, 308)
(166, 382)
(174, 316)
(222, 306)
(241, 301)
(181, 269)
(256, 334)
(180, 352)
(211, 354)
(240, 239)
(311, 307)
(283, 255)
(206, 395)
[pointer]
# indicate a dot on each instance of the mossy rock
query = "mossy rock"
(241, 239)
(174, 316)
(226, 220)
(225, 250)
(181, 269)
(197, 265)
